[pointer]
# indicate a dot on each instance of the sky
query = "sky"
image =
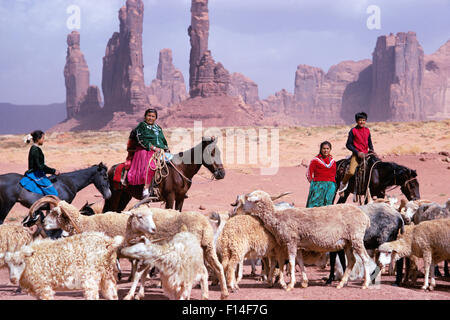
(263, 39)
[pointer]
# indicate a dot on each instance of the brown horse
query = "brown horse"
(175, 185)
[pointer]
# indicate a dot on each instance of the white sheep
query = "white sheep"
(169, 222)
(180, 263)
(321, 229)
(244, 237)
(67, 217)
(429, 240)
(13, 236)
(83, 261)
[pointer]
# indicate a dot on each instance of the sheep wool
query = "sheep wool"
(84, 261)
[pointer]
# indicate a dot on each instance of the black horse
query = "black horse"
(67, 185)
(175, 185)
(381, 176)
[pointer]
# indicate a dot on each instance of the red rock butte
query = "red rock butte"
(399, 83)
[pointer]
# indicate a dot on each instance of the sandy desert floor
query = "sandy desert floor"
(417, 145)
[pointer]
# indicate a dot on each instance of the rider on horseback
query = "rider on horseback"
(150, 139)
(359, 142)
(35, 179)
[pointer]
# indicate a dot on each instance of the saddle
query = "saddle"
(362, 176)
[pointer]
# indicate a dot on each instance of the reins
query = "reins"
(161, 164)
(395, 186)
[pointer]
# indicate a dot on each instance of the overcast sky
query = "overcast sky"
(263, 39)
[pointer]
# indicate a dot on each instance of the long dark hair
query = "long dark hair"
(35, 136)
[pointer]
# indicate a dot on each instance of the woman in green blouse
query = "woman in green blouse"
(150, 138)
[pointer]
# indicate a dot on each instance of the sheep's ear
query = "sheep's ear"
(27, 251)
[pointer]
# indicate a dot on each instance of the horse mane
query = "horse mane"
(198, 145)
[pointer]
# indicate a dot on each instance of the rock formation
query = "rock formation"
(81, 99)
(397, 76)
(198, 33)
(206, 77)
(123, 68)
(242, 86)
(318, 96)
(90, 104)
(282, 102)
(168, 88)
(436, 84)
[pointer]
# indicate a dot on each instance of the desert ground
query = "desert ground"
(422, 146)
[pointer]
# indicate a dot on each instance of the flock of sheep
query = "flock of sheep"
(187, 248)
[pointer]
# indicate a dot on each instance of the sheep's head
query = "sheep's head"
(136, 251)
(142, 220)
(385, 254)
(16, 262)
(248, 202)
(64, 216)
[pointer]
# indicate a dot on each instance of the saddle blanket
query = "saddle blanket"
(38, 182)
(119, 171)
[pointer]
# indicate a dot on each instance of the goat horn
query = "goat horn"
(143, 201)
(75, 226)
(52, 200)
(280, 195)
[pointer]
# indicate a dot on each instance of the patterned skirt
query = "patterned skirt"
(321, 193)
(141, 171)
(38, 182)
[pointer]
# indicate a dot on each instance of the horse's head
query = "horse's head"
(101, 180)
(211, 157)
(409, 184)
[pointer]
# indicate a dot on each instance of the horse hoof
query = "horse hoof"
(304, 284)
(223, 296)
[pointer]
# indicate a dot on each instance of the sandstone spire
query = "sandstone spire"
(123, 68)
(76, 74)
(206, 77)
(398, 69)
(168, 88)
(81, 99)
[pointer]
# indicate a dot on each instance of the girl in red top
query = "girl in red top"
(321, 175)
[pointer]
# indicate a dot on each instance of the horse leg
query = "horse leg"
(332, 263)
(125, 197)
(347, 192)
(5, 207)
(112, 203)
(170, 200)
(179, 203)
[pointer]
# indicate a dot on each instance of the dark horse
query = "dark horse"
(67, 185)
(382, 175)
(174, 186)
